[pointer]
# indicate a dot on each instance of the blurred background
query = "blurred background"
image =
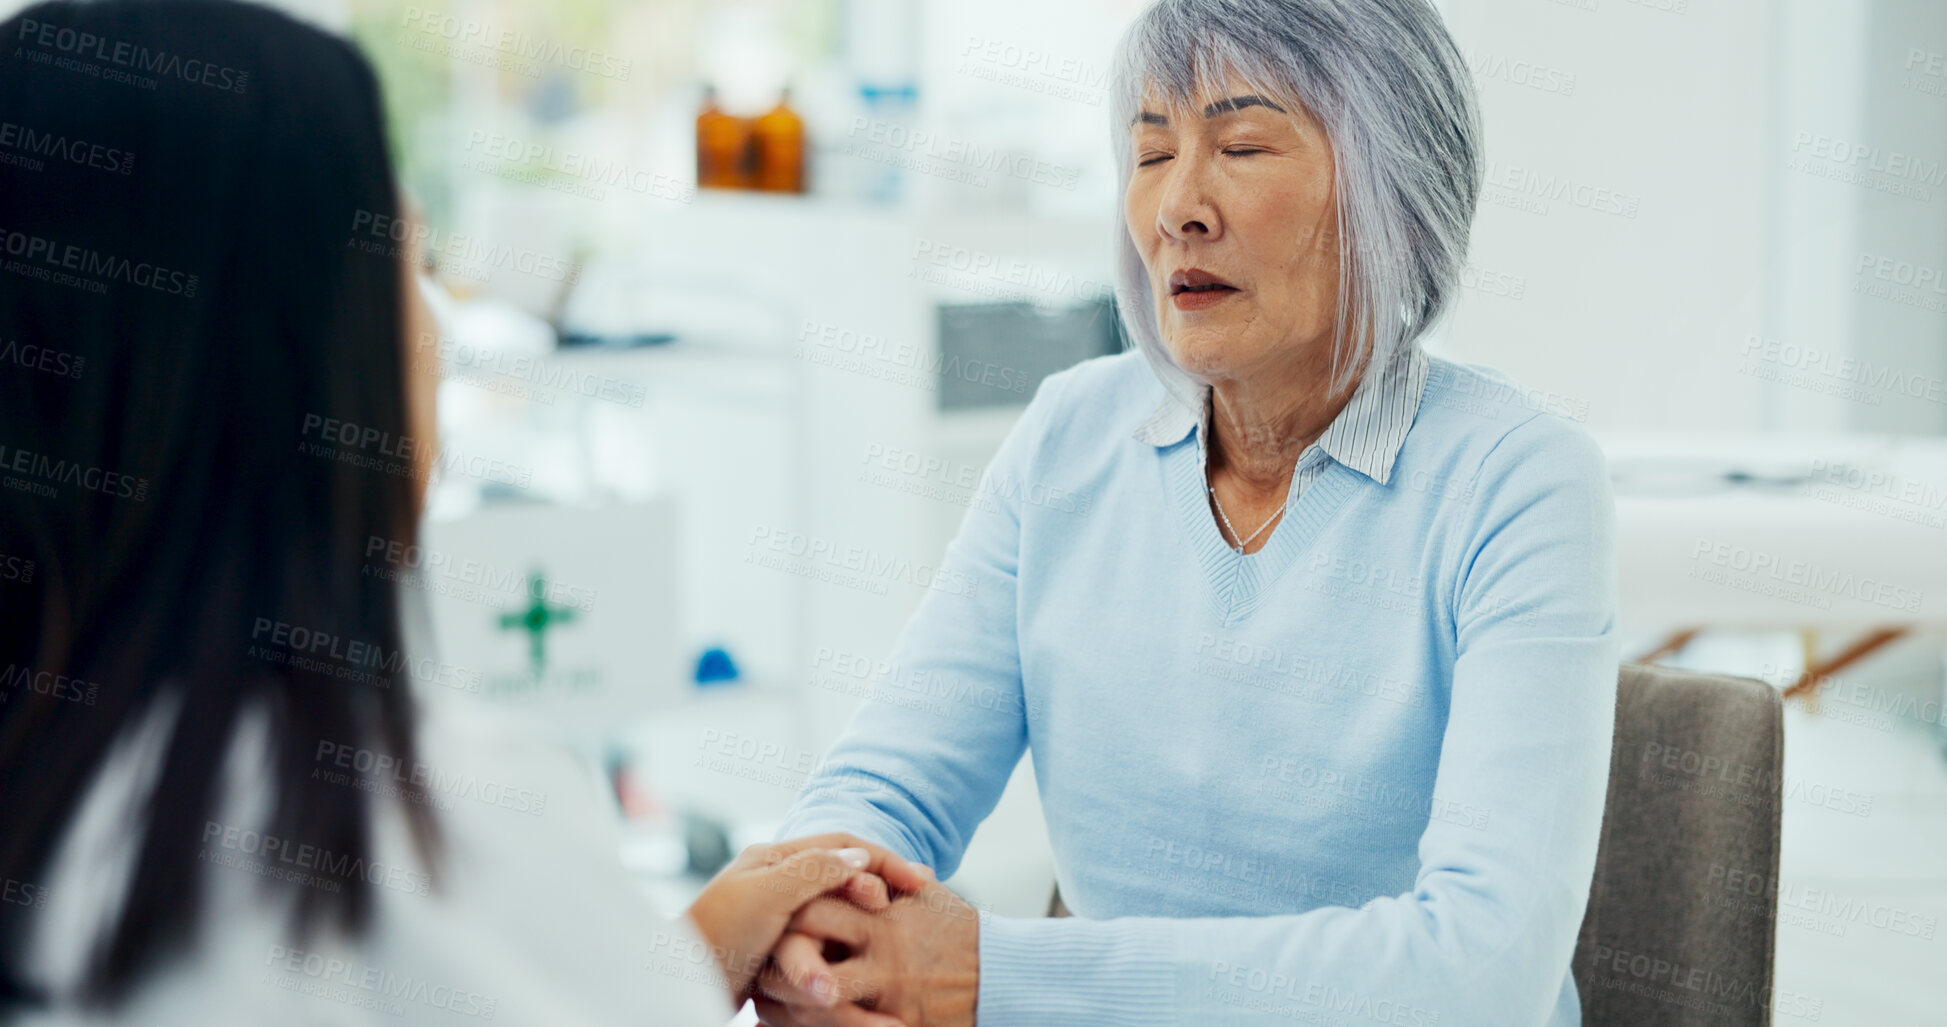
(738, 296)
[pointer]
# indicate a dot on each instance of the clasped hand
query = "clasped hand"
(831, 931)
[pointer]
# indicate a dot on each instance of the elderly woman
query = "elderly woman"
(1319, 689)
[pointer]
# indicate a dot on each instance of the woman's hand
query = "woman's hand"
(915, 963)
(744, 910)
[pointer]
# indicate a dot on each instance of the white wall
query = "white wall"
(1667, 109)
(1904, 79)
(1715, 116)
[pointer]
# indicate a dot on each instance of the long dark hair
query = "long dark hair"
(189, 297)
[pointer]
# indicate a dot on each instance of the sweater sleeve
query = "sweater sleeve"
(1486, 934)
(925, 758)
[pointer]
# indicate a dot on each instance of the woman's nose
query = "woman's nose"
(1186, 211)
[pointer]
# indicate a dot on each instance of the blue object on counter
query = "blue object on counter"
(715, 667)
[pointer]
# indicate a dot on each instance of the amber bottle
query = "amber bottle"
(778, 148)
(723, 147)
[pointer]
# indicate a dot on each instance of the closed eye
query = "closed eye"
(1152, 160)
(1239, 151)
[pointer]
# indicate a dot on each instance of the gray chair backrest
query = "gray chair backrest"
(1680, 924)
(1679, 928)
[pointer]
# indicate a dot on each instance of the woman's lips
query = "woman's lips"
(1193, 288)
(1200, 299)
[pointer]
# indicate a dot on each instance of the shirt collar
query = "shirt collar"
(1365, 436)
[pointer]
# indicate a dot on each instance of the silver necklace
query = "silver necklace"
(1219, 504)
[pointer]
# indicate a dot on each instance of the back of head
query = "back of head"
(182, 306)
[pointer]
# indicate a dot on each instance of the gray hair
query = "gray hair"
(1397, 103)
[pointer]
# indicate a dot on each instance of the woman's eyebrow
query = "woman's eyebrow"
(1239, 103)
(1224, 106)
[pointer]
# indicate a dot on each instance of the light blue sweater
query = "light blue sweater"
(1355, 777)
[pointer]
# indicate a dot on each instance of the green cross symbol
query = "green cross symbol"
(536, 619)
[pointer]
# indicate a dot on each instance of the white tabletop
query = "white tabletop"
(1781, 530)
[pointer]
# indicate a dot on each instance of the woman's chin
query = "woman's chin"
(1203, 357)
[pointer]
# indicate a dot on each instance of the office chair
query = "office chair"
(1682, 913)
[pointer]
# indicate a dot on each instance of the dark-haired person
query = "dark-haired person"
(206, 817)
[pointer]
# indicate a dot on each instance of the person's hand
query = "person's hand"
(916, 963)
(744, 909)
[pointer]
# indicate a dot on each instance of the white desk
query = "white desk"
(1826, 531)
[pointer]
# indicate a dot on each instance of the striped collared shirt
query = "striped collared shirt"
(1365, 436)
